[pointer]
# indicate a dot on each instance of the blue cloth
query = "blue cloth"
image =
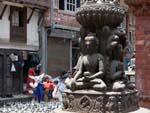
(39, 92)
(126, 63)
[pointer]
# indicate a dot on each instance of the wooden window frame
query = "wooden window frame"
(24, 28)
(71, 4)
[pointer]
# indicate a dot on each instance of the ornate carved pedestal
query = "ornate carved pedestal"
(82, 101)
(141, 110)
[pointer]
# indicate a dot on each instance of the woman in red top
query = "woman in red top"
(30, 81)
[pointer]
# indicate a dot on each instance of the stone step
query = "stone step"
(15, 98)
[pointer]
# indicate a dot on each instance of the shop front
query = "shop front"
(14, 66)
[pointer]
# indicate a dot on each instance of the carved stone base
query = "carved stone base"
(141, 110)
(89, 101)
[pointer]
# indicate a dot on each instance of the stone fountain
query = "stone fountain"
(99, 84)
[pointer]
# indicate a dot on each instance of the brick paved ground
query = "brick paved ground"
(21, 106)
(30, 107)
(43, 107)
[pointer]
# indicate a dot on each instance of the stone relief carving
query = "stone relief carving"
(85, 103)
(112, 105)
(99, 105)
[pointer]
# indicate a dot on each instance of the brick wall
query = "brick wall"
(64, 18)
(61, 17)
(140, 9)
(143, 58)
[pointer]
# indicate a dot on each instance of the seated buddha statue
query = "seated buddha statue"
(90, 67)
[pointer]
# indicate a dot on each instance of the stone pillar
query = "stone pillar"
(141, 10)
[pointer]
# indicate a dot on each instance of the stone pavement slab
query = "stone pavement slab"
(15, 98)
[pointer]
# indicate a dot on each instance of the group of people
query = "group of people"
(41, 86)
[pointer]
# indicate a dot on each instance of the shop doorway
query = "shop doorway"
(32, 60)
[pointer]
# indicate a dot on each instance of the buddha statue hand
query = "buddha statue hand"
(87, 76)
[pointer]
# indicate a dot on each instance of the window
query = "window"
(131, 20)
(78, 3)
(69, 5)
(17, 18)
(55, 4)
(132, 40)
(75, 52)
(62, 4)
(18, 24)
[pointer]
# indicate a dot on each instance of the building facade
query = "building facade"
(129, 26)
(140, 9)
(63, 30)
(20, 41)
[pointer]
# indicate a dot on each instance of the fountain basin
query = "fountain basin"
(98, 15)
